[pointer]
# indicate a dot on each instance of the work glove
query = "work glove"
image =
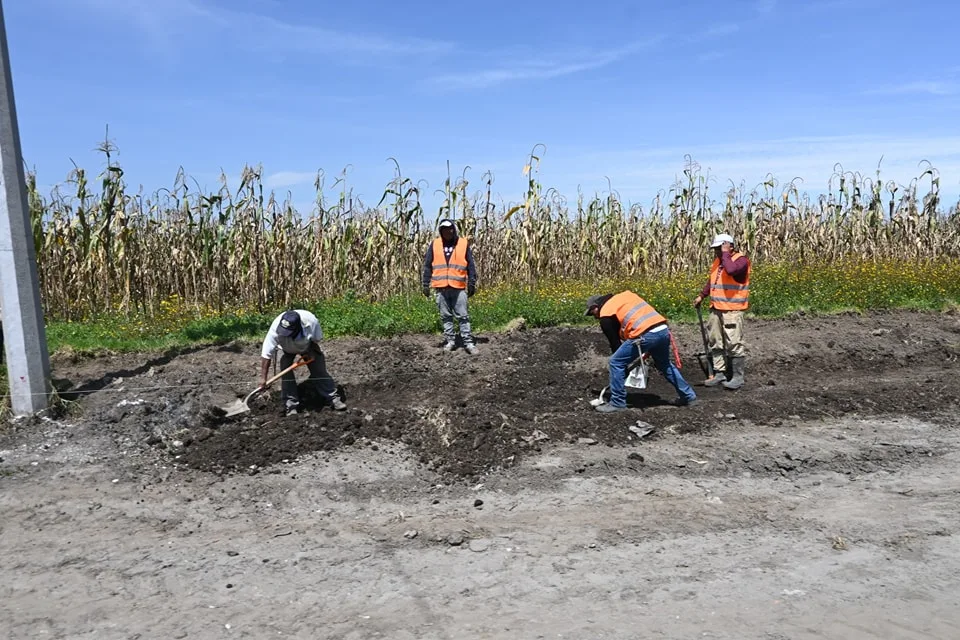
(426, 292)
(471, 289)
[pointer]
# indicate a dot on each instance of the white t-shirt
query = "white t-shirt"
(310, 332)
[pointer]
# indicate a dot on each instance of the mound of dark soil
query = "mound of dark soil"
(466, 415)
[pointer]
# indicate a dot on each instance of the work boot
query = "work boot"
(609, 408)
(737, 380)
(718, 378)
(337, 403)
(472, 349)
(450, 346)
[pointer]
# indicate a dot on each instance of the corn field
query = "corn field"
(103, 249)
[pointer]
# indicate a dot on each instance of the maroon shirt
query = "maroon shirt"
(737, 269)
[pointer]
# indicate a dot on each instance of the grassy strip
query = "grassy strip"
(776, 290)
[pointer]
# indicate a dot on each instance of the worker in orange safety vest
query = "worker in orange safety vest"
(632, 326)
(449, 270)
(728, 290)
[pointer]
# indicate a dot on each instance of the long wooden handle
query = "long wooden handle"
(706, 346)
(285, 371)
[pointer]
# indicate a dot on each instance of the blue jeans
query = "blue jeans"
(657, 344)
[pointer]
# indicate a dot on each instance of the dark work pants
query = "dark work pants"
(318, 377)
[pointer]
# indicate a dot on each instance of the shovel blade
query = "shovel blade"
(596, 402)
(235, 408)
(239, 406)
(706, 365)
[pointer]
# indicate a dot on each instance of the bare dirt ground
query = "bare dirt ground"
(482, 497)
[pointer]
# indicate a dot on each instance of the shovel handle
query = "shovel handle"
(284, 372)
(706, 345)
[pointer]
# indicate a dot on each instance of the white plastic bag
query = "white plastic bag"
(637, 378)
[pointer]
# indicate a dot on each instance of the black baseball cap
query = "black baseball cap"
(290, 324)
(592, 301)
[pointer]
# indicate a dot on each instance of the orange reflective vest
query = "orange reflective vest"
(726, 294)
(454, 273)
(635, 314)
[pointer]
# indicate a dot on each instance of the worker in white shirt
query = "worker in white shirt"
(297, 332)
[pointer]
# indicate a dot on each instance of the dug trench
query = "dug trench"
(465, 417)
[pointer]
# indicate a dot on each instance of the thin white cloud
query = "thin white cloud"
(820, 6)
(535, 70)
(929, 87)
(286, 179)
(641, 173)
(723, 29)
(309, 38)
(765, 6)
(719, 30)
(167, 22)
(709, 56)
(490, 77)
(161, 22)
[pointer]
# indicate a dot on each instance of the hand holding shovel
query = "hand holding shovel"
(237, 407)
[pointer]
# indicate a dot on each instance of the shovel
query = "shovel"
(706, 358)
(241, 406)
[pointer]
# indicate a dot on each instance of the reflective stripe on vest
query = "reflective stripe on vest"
(635, 314)
(726, 294)
(453, 274)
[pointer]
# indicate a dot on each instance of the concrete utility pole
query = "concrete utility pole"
(24, 333)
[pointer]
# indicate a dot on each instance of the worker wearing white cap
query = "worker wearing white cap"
(729, 292)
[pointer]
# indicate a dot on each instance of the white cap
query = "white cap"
(720, 238)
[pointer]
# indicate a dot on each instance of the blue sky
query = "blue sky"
(613, 89)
